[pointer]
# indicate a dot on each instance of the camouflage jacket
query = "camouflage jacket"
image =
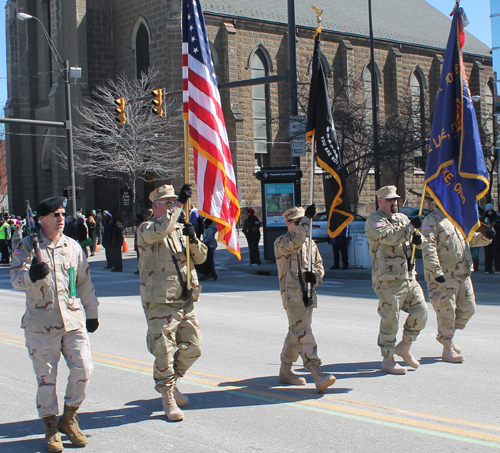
(446, 251)
(162, 259)
(291, 252)
(49, 304)
(389, 239)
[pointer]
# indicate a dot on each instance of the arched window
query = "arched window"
(260, 97)
(417, 104)
(141, 50)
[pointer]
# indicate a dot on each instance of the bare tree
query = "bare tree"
(140, 149)
(490, 136)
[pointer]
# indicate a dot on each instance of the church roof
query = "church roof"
(402, 21)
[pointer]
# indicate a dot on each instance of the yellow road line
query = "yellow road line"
(328, 402)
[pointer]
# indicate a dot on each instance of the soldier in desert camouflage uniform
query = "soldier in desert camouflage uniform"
(291, 251)
(390, 235)
(447, 265)
(174, 336)
(55, 321)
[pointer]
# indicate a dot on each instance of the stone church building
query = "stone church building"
(249, 39)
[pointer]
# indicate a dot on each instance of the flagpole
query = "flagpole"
(186, 181)
(311, 196)
(419, 213)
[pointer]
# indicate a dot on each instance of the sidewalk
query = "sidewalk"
(225, 260)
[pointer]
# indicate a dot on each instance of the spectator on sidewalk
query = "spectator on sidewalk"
(106, 227)
(208, 268)
(492, 251)
(115, 245)
(340, 245)
(251, 230)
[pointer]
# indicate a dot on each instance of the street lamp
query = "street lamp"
(65, 73)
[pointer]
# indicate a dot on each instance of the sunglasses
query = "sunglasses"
(60, 214)
(390, 200)
(168, 203)
(296, 222)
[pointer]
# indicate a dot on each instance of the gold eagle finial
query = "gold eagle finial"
(318, 13)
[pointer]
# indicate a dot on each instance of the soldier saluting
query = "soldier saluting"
(390, 235)
(291, 258)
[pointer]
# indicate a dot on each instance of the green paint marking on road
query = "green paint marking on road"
(357, 417)
(310, 408)
(117, 367)
(13, 344)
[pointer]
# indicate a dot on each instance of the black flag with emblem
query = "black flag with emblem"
(320, 125)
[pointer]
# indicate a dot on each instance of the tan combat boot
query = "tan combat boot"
(456, 348)
(68, 424)
(321, 380)
(180, 398)
(52, 434)
(449, 352)
(287, 376)
(390, 366)
(403, 351)
(172, 411)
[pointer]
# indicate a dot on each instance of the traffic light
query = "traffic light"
(157, 102)
(121, 118)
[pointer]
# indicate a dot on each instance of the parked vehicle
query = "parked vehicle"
(320, 226)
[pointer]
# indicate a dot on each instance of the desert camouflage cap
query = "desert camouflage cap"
(165, 191)
(387, 192)
(294, 213)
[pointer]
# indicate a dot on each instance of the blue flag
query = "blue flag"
(456, 175)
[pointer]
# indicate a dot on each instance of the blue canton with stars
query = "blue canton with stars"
(195, 35)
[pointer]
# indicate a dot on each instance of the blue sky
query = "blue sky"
(478, 12)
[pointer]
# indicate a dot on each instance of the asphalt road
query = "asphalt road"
(236, 401)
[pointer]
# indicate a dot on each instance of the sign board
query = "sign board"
(298, 147)
(126, 199)
(297, 126)
(278, 198)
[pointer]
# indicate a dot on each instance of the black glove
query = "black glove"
(185, 193)
(311, 211)
(38, 271)
(417, 239)
(490, 234)
(440, 279)
(92, 325)
(189, 231)
(310, 277)
(417, 221)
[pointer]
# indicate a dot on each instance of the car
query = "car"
(320, 226)
(412, 212)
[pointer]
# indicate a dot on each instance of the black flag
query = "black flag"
(320, 124)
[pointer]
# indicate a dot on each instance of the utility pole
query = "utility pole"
(376, 151)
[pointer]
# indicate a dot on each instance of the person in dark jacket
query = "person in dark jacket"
(115, 245)
(492, 251)
(106, 226)
(82, 234)
(251, 230)
(340, 243)
(70, 229)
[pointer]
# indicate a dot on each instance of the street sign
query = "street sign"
(298, 147)
(297, 126)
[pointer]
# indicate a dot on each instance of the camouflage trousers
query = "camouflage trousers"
(395, 296)
(174, 338)
(299, 339)
(454, 304)
(45, 351)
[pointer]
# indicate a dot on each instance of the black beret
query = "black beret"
(51, 205)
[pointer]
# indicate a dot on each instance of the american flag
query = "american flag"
(213, 165)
